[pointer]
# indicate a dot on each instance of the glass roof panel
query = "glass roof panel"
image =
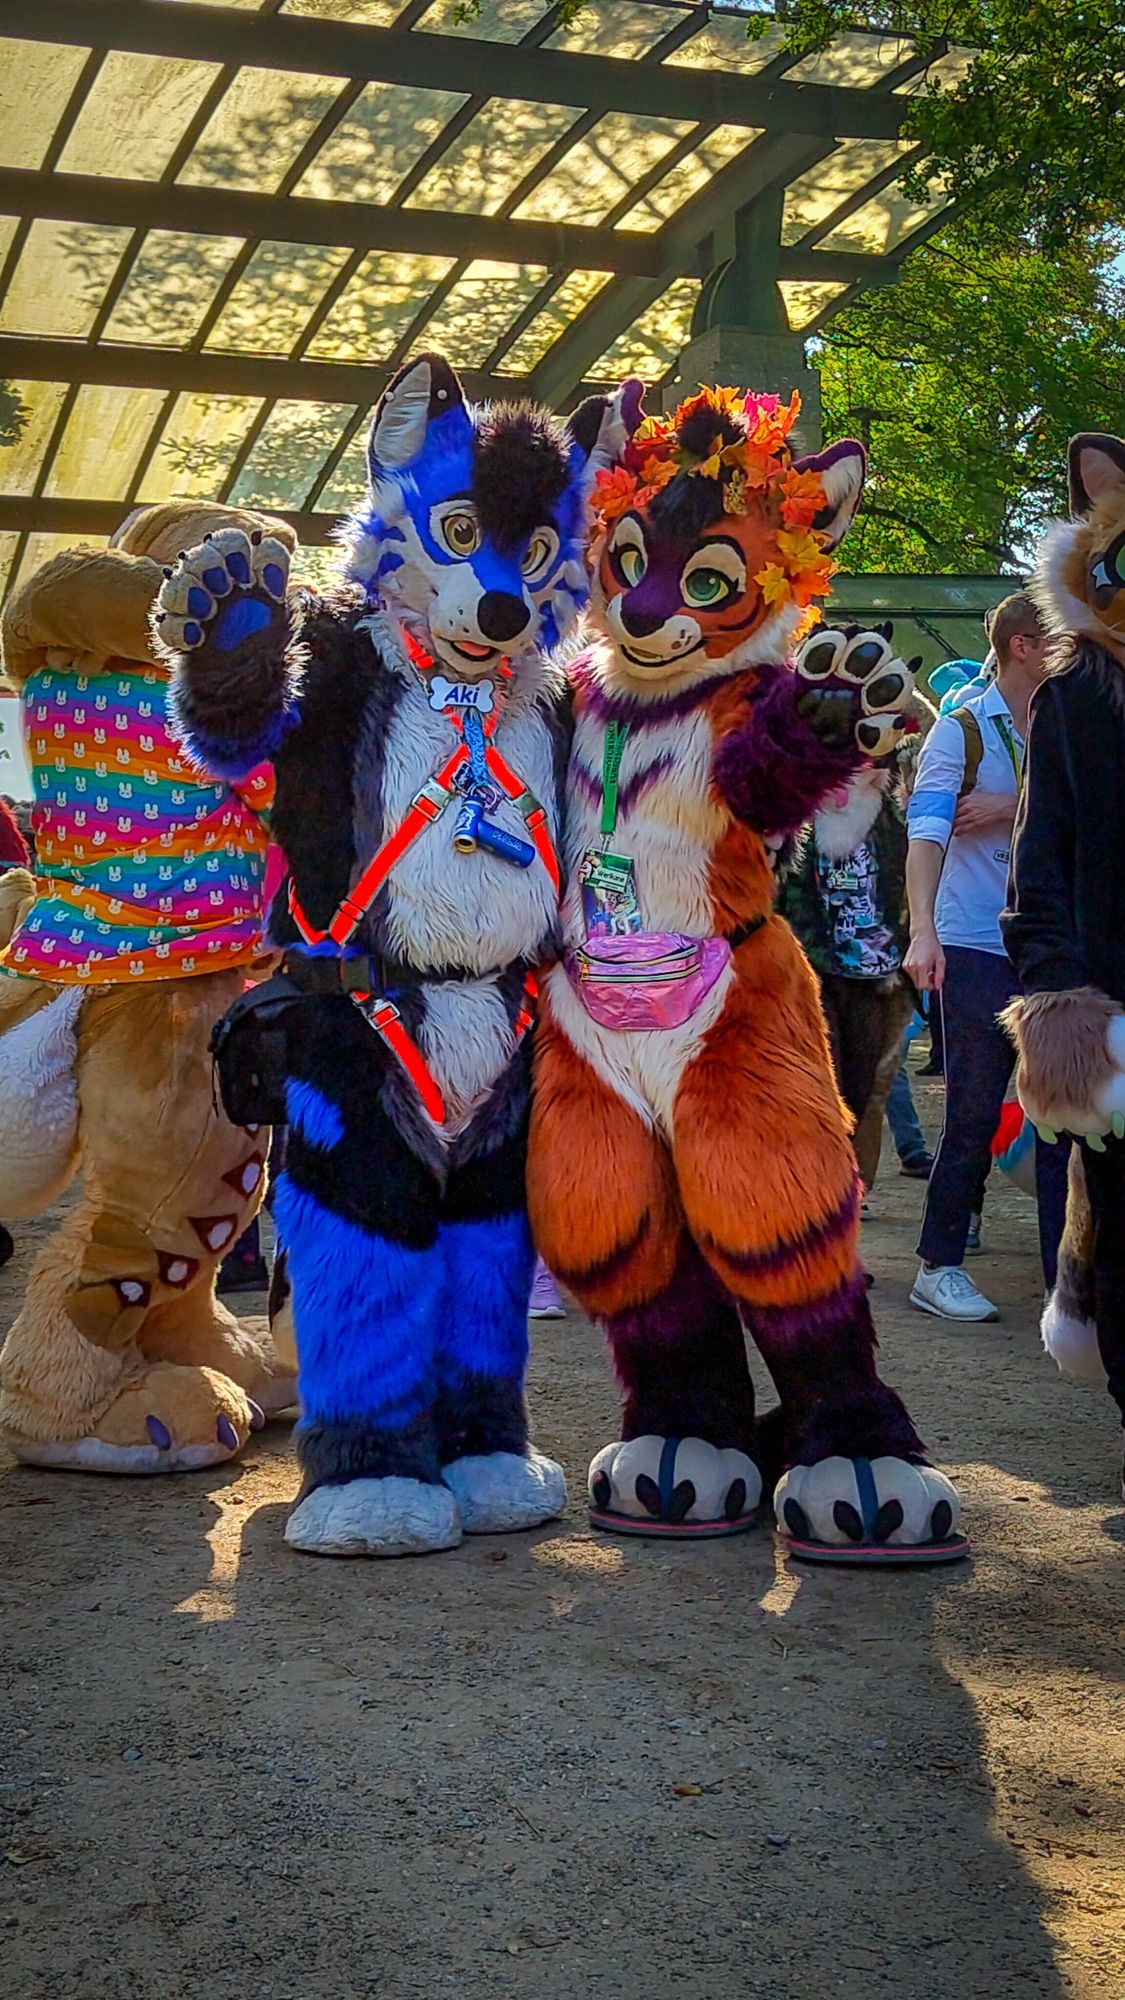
(373, 312)
(652, 343)
(36, 81)
(25, 431)
(723, 44)
(494, 153)
(948, 70)
(494, 21)
(248, 6)
(40, 548)
(479, 308)
(690, 174)
(859, 61)
(105, 434)
(259, 128)
(345, 489)
(602, 168)
(369, 13)
(294, 443)
(275, 297)
(197, 446)
(170, 287)
(626, 30)
(572, 297)
(385, 132)
(813, 196)
(882, 223)
(135, 114)
(61, 278)
(804, 301)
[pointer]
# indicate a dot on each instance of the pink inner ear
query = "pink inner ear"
(1098, 471)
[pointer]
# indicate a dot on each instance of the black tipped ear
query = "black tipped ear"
(586, 421)
(422, 390)
(1096, 463)
(842, 469)
(602, 426)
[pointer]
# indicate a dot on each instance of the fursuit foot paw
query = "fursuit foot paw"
(173, 1419)
(504, 1490)
(869, 1510)
(680, 1488)
(375, 1517)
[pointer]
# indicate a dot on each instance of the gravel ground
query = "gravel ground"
(558, 1766)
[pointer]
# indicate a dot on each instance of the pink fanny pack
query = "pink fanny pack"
(656, 980)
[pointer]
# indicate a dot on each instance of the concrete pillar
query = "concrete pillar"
(737, 357)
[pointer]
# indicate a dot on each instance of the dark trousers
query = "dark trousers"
(979, 1060)
(1105, 1185)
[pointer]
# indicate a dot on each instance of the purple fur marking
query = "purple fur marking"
(761, 1263)
(773, 770)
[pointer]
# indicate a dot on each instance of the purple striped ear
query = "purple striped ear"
(842, 469)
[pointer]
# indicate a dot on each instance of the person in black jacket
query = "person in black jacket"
(1065, 923)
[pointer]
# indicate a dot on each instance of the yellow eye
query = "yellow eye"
(461, 533)
(542, 549)
(707, 587)
(631, 563)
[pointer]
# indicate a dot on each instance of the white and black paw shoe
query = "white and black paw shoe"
(679, 1488)
(869, 1510)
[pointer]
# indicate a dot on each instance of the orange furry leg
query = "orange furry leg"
(601, 1191)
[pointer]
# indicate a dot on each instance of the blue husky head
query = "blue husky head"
(473, 529)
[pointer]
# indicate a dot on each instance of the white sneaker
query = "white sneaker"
(949, 1293)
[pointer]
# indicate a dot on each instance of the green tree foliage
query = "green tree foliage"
(1030, 134)
(965, 379)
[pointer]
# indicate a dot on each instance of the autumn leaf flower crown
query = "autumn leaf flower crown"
(757, 460)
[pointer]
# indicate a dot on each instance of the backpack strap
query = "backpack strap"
(974, 747)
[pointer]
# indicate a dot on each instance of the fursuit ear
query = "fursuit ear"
(602, 426)
(842, 469)
(1096, 463)
(420, 392)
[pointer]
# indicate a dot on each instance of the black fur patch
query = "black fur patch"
(520, 469)
(335, 1454)
(479, 1414)
(698, 431)
(685, 507)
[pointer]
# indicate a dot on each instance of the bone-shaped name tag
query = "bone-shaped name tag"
(461, 694)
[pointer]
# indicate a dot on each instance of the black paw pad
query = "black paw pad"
(889, 1517)
(648, 1493)
(601, 1489)
(941, 1521)
(735, 1502)
(848, 1520)
(797, 1521)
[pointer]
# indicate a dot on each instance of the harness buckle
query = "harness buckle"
(432, 799)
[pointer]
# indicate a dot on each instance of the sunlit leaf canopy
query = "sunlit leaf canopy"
(223, 227)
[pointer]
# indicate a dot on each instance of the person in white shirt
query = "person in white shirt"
(960, 824)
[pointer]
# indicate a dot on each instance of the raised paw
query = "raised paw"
(375, 1517)
(1071, 1074)
(173, 1419)
(226, 590)
(674, 1487)
(855, 687)
(877, 1510)
(502, 1491)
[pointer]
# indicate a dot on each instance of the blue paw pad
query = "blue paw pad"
(198, 602)
(159, 1433)
(217, 581)
(238, 566)
(240, 621)
(273, 576)
(193, 633)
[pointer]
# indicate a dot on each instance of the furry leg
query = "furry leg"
(499, 1480)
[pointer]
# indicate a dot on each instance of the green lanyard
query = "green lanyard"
(614, 750)
(1007, 738)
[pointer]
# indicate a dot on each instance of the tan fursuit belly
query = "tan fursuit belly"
(644, 1066)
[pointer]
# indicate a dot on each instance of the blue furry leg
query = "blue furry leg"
(357, 1213)
(482, 1341)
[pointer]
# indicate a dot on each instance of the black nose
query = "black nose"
(502, 616)
(640, 624)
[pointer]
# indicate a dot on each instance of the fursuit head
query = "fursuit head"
(690, 1172)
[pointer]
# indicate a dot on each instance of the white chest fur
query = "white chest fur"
(668, 823)
(471, 909)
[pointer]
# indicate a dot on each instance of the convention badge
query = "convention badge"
(445, 694)
(609, 894)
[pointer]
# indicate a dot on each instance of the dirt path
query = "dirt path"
(228, 1770)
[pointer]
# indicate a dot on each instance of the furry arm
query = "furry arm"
(81, 609)
(773, 768)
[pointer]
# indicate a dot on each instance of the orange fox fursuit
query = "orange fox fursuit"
(690, 1175)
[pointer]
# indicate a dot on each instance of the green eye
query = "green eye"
(706, 586)
(631, 563)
